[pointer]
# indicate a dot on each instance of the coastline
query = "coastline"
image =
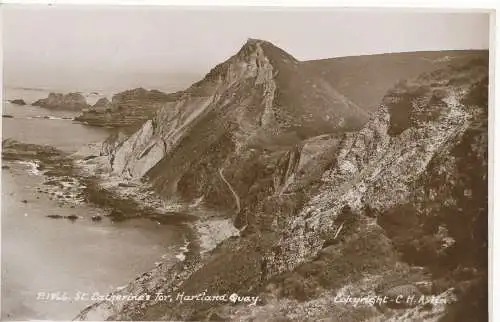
(208, 227)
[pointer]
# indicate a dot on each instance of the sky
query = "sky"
(93, 47)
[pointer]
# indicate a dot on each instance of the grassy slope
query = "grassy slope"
(366, 79)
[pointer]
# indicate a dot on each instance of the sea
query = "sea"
(47, 262)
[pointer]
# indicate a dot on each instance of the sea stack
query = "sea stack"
(70, 101)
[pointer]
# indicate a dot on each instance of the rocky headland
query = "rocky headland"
(329, 199)
(70, 101)
(358, 78)
(126, 110)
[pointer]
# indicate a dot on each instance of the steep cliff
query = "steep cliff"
(71, 101)
(396, 207)
(247, 109)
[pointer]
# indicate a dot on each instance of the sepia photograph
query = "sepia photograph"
(229, 163)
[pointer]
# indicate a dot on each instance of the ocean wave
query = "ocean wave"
(34, 166)
(49, 117)
(33, 89)
(183, 250)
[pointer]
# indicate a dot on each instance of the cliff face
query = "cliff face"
(327, 209)
(71, 101)
(390, 163)
(255, 103)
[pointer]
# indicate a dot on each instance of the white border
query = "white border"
(493, 191)
(429, 5)
(449, 4)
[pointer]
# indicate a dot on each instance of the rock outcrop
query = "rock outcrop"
(127, 110)
(18, 102)
(329, 206)
(70, 101)
(102, 105)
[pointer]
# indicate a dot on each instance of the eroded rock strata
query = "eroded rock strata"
(329, 205)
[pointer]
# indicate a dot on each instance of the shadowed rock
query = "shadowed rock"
(55, 216)
(18, 102)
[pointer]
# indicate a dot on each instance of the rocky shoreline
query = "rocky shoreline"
(61, 171)
(73, 179)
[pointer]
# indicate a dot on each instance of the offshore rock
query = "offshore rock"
(18, 102)
(70, 101)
